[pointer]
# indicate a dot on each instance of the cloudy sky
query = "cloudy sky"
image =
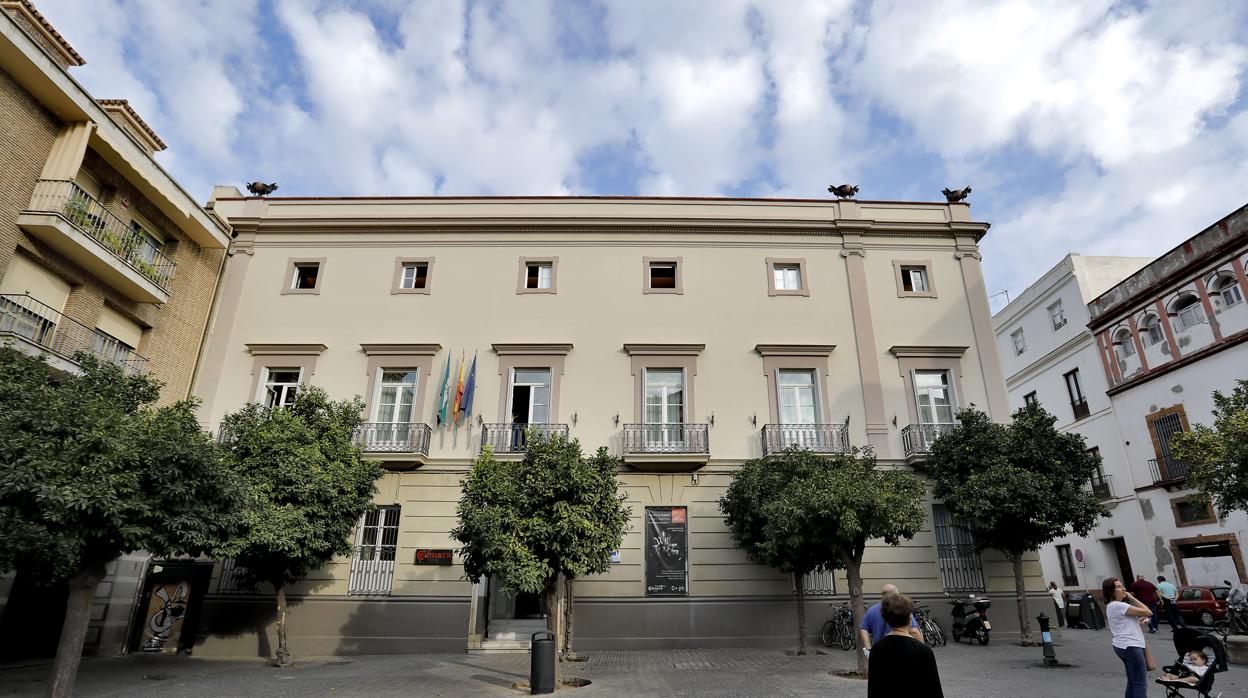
(1094, 126)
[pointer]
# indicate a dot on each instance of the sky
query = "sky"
(1097, 127)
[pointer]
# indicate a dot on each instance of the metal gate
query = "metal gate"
(960, 567)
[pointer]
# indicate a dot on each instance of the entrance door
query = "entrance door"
(1124, 561)
(168, 615)
(518, 606)
(530, 402)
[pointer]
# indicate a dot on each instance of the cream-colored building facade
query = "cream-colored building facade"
(687, 335)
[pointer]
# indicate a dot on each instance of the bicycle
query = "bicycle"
(839, 630)
(933, 634)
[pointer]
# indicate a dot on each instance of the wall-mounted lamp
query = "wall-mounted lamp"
(480, 420)
(754, 419)
(846, 421)
(695, 478)
(712, 419)
(616, 419)
(573, 419)
(894, 420)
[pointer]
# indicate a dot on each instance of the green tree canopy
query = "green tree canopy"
(1217, 457)
(1016, 487)
(307, 484)
(798, 511)
(90, 470)
(525, 522)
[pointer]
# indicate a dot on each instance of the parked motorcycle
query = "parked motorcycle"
(972, 623)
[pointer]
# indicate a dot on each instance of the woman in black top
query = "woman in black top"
(899, 664)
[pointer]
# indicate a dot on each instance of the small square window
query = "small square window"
(1020, 343)
(415, 275)
(662, 275)
(304, 275)
(1030, 399)
(788, 277)
(1058, 315)
(914, 279)
(538, 275)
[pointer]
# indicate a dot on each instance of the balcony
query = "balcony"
(1080, 408)
(395, 442)
(36, 329)
(64, 216)
(513, 439)
(819, 438)
(666, 447)
(1167, 470)
(1101, 487)
(917, 439)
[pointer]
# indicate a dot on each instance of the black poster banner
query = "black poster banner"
(667, 551)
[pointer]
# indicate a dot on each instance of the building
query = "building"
(1128, 370)
(100, 251)
(1049, 356)
(686, 334)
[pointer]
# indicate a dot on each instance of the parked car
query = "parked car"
(1202, 605)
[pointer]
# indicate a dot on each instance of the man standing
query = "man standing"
(873, 627)
(1144, 590)
(1168, 596)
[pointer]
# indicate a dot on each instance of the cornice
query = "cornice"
(401, 349)
(794, 349)
(926, 352)
(532, 348)
(286, 349)
(664, 349)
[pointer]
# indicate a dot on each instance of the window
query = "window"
(796, 399)
(148, 246)
(1124, 345)
(960, 566)
(1058, 315)
(1020, 344)
(1163, 425)
(538, 275)
(23, 316)
(786, 277)
(1153, 333)
(1078, 401)
(914, 279)
(414, 275)
(109, 348)
(934, 397)
(372, 566)
(1188, 513)
(280, 386)
(1188, 309)
(1189, 594)
(662, 275)
(304, 275)
(1099, 480)
(1227, 292)
(665, 389)
(1067, 564)
(1030, 399)
(231, 578)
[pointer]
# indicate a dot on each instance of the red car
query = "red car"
(1202, 605)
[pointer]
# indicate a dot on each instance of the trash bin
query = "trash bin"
(542, 663)
(1084, 611)
(1074, 608)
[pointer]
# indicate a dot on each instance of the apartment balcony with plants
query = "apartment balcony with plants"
(123, 254)
(37, 329)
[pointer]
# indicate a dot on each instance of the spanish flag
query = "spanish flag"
(459, 392)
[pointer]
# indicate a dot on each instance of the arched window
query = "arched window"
(1188, 310)
(1123, 343)
(1227, 291)
(1151, 330)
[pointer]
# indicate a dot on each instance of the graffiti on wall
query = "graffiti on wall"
(165, 613)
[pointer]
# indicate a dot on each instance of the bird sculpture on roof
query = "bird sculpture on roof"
(954, 196)
(261, 189)
(844, 191)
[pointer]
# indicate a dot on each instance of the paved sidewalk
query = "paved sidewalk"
(1000, 669)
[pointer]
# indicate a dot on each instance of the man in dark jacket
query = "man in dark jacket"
(900, 665)
(1144, 590)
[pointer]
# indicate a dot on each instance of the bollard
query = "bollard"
(1050, 656)
(542, 663)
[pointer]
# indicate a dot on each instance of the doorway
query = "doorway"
(530, 402)
(1124, 560)
(517, 606)
(167, 620)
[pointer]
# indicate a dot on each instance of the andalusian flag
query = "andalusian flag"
(459, 390)
(471, 387)
(443, 402)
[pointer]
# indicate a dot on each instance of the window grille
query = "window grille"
(231, 579)
(372, 565)
(819, 583)
(960, 566)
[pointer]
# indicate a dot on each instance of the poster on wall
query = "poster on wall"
(1211, 571)
(165, 613)
(667, 551)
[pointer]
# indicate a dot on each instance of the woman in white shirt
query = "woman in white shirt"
(1125, 614)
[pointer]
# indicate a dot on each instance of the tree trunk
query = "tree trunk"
(74, 631)
(1020, 595)
(799, 583)
(853, 574)
(568, 615)
(282, 657)
(553, 616)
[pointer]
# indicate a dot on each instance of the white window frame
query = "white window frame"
(1020, 342)
(1124, 347)
(1227, 292)
(544, 281)
(1154, 332)
(1057, 314)
(381, 385)
(1189, 315)
(512, 385)
(372, 574)
(787, 276)
(262, 389)
(916, 276)
(407, 277)
(949, 384)
(796, 389)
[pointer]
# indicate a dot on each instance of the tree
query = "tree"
(89, 470)
(524, 523)
(1016, 487)
(798, 511)
(1217, 458)
(307, 485)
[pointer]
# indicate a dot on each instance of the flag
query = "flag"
(471, 387)
(443, 403)
(459, 391)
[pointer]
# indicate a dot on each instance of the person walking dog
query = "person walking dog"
(1126, 615)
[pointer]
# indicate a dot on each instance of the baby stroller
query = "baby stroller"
(1188, 640)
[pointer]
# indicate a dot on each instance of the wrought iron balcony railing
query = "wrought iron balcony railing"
(1167, 469)
(387, 437)
(918, 438)
(69, 200)
(514, 438)
(667, 438)
(1101, 487)
(1080, 408)
(40, 324)
(820, 438)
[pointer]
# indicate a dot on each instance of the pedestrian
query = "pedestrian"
(1126, 616)
(873, 628)
(900, 664)
(1144, 590)
(1059, 600)
(1168, 597)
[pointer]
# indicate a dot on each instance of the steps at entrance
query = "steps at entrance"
(507, 636)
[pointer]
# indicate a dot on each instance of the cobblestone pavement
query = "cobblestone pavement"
(1000, 669)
